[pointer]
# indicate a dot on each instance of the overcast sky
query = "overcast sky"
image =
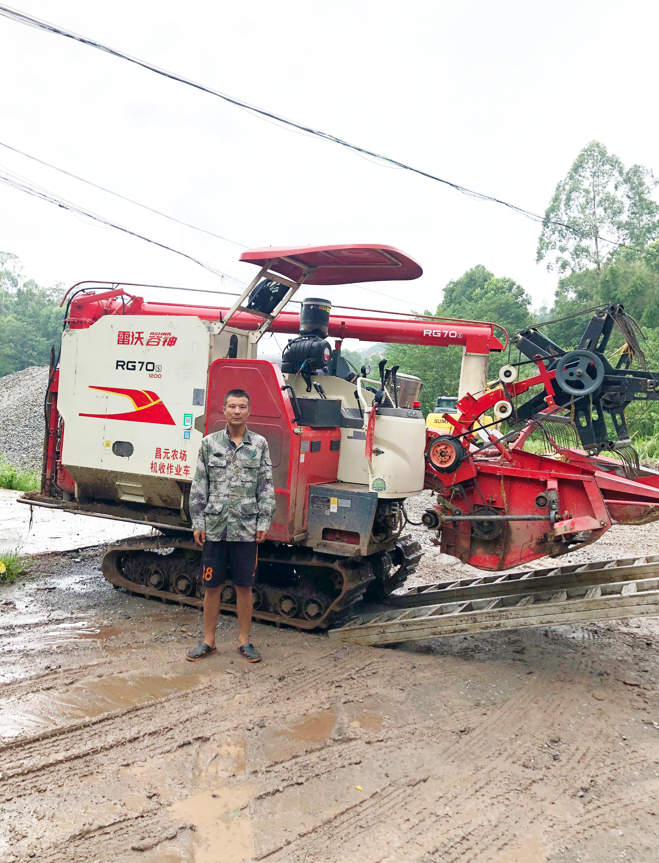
(499, 97)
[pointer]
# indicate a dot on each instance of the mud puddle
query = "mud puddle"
(89, 698)
(367, 721)
(64, 633)
(314, 729)
(45, 634)
(70, 582)
(211, 765)
(281, 742)
(223, 823)
(310, 733)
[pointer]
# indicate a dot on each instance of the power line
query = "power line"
(117, 195)
(270, 116)
(106, 224)
(23, 184)
(389, 297)
(15, 181)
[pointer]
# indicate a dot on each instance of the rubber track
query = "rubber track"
(353, 585)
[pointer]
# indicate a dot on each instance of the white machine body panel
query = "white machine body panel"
(132, 396)
(399, 467)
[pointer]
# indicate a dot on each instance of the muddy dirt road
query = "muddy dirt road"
(537, 745)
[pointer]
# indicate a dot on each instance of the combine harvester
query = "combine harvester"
(138, 384)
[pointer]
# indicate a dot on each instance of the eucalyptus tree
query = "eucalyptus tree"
(598, 206)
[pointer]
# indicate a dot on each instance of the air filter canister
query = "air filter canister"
(314, 317)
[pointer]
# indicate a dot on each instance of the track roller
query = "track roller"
(287, 605)
(294, 585)
(228, 594)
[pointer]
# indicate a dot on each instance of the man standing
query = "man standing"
(232, 501)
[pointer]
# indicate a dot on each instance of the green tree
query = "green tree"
(10, 268)
(438, 368)
(30, 318)
(477, 295)
(598, 199)
(634, 282)
(631, 279)
(353, 358)
(575, 293)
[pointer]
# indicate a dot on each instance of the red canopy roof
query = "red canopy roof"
(336, 265)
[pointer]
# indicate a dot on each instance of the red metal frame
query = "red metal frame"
(477, 337)
(511, 488)
(300, 456)
(49, 474)
(590, 492)
(336, 265)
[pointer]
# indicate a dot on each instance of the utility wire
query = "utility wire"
(117, 195)
(15, 181)
(39, 24)
(150, 209)
(389, 297)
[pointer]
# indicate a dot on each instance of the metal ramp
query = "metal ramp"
(600, 590)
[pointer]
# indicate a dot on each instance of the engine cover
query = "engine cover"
(312, 350)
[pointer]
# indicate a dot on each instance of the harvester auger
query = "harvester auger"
(139, 383)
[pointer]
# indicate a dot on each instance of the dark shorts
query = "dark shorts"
(228, 561)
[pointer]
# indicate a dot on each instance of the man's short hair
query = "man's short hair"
(237, 394)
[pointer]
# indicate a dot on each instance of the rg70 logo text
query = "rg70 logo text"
(137, 366)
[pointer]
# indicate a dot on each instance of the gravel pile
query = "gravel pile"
(21, 416)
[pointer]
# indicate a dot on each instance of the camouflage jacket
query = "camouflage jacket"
(232, 494)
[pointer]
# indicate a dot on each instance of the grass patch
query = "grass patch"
(12, 564)
(17, 478)
(647, 448)
(537, 445)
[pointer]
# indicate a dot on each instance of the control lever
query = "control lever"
(306, 371)
(381, 366)
(359, 405)
(297, 413)
(394, 382)
(381, 394)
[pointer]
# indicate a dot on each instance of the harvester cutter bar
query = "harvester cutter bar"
(605, 590)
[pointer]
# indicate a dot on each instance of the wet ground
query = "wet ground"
(36, 529)
(537, 745)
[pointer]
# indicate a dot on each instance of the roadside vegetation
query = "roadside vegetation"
(648, 449)
(30, 318)
(18, 478)
(13, 564)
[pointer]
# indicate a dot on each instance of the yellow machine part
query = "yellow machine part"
(436, 422)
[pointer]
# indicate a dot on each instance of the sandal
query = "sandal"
(200, 651)
(250, 653)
